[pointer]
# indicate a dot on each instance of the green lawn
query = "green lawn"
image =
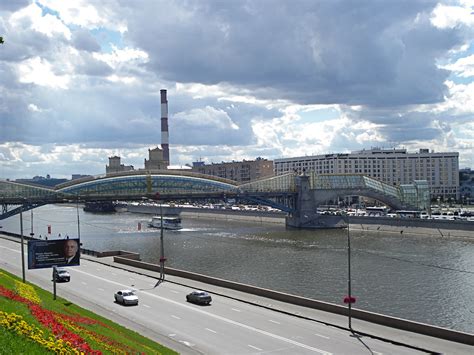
(31, 322)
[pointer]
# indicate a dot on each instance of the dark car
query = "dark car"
(199, 297)
(61, 275)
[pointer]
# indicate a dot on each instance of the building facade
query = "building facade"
(242, 171)
(392, 166)
(115, 166)
(155, 160)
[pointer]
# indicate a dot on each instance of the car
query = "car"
(61, 275)
(199, 297)
(126, 297)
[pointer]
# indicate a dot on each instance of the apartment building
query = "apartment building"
(392, 166)
(240, 171)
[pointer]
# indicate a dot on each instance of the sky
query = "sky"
(80, 80)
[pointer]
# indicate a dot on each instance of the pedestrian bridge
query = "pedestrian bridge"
(283, 191)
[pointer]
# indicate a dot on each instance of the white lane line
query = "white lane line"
(172, 335)
(175, 317)
(215, 316)
(147, 306)
(131, 279)
(175, 291)
(210, 330)
(322, 336)
(254, 347)
(98, 269)
(114, 274)
(101, 289)
(236, 310)
(274, 321)
(82, 282)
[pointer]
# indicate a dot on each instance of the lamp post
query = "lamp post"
(162, 248)
(349, 299)
(22, 245)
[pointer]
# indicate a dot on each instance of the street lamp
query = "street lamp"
(349, 299)
(22, 244)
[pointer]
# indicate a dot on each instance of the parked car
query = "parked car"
(126, 297)
(61, 275)
(199, 297)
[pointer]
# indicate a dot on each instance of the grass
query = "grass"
(31, 322)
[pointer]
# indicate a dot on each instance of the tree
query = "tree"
(1, 40)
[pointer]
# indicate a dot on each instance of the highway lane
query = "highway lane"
(226, 327)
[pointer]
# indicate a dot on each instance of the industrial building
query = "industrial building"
(239, 171)
(392, 166)
(115, 166)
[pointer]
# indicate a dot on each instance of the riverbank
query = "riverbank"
(399, 226)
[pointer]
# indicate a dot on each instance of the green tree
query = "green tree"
(1, 40)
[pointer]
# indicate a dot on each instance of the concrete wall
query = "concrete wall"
(306, 302)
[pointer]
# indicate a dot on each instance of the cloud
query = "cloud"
(267, 78)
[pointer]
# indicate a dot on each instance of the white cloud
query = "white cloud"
(448, 16)
(82, 13)
(463, 67)
(206, 118)
(47, 24)
(40, 72)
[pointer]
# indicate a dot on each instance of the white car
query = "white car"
(126, 297)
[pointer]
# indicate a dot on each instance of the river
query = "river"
(420, 278)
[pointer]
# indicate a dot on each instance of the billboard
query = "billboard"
(46, 253)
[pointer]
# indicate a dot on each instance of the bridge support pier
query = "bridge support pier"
(305, 215)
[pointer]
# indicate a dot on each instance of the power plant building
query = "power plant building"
(392, 166)
(155, 160)
(242, 171)
(115, 166)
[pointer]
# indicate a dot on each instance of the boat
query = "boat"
(169, 222)
(102, 206)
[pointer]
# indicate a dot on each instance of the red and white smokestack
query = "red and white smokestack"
(164, 127)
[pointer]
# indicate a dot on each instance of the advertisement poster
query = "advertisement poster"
(46, 253)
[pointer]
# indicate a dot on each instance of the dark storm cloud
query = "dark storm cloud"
(365, 52)
(93, 67)
(83, 40)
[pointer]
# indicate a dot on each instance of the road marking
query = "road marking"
(322, 336)
(175, 291)
(210, 330)
(172, 335)
(98, 269)
(236, 310)
(215, 316)
(274, 321)
(131, 279)
(101, 289)
(147, 306)
(82, 282)
(113, 273)
(254, 347)
(175, 317)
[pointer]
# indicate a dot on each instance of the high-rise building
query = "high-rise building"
(392, 166)
(240, 171)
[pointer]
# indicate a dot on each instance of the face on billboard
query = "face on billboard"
(46, 253)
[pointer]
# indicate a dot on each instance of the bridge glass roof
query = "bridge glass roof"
(15, 190)
(145, 184)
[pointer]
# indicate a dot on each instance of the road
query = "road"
(227, 326)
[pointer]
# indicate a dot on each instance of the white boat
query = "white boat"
(169, 222)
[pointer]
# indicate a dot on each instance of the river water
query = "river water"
(424, 279)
